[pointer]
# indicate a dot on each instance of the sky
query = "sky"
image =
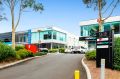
(65, 14)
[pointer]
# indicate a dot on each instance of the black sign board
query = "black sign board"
(104, 48)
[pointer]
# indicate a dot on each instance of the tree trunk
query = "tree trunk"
(13, 27)
(13, 38)
(100, 16)
(13, 31)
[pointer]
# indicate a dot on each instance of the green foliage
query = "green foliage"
(62, 50)
(40, 53)
(94, 3)
(23, 53)
(34, 4)
(6, 52)
(1, 41)
(117, 53)
(53, 50)
(91, 55)
(21, 6)
(0, 2)
(19, 47)
(46, 51)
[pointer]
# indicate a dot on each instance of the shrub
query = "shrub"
(40, 53)
(19, 47)
(1, 41)
(91, 55)
(23, 53)
(117, 53)
(6, 52)
(62, 50)
(53, 50)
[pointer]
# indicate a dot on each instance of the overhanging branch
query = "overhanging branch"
(20, 12)
(108, 6)
(112, 10)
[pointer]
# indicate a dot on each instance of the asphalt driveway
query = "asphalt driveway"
(52, 66)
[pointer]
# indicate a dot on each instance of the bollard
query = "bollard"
(77, 74)
(102, 74)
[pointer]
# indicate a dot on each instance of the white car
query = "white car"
(68, 50)
(79, 49)
(42, 49)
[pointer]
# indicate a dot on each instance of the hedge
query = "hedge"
(91, 55)
(117, 53)
(40, 53)
(53, 50)
(6, 52)
(19, 47)
(62, 50)
(23, 53)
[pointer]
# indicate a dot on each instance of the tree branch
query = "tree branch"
(7, 3)
(20, 12)
(15, 2)
(111, 10)
(108, 6)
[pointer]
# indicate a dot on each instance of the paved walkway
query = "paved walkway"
(95, 72)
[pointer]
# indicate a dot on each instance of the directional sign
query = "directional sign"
(102, 39)
(103, 42)
(102, 46)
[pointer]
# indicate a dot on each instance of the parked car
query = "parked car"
(68, 50)
(79, 49)
(43, 50)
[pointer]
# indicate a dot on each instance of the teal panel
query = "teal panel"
(44, 35)
(61, 36)
(89, 30)
(35, 37)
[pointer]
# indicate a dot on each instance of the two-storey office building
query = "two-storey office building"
(50, 37)
(88, 29)
(45, 37)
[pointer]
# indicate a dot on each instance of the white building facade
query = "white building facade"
(89, 28)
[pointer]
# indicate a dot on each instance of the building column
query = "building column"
(51, 46)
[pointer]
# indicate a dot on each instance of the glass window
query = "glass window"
(54, 35)
(24, 39)
(93, 30)
(117, 27)
(106, 27)
(21, 38)
(45, 36)
(61, 39)
(48, 36)
(81, 30)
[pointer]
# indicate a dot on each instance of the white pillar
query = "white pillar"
(102, 74)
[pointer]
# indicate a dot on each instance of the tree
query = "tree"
(100, 6)
(22, 6)
(1, 15)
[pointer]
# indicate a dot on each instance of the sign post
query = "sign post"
(102, 74)
(104, 48)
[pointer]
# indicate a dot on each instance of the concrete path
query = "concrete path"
(52, 66)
